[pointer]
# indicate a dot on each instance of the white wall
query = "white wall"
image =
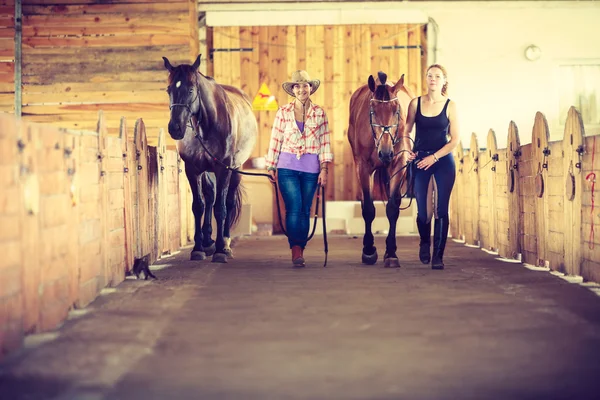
(492, 82)
(482, 46)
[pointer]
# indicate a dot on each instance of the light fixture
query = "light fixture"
(533, 53)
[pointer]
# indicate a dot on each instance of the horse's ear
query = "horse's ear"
(168, 64)
(399, 84)
(196, 64)
(371, 83)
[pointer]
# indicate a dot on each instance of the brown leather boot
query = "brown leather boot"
(297, 258)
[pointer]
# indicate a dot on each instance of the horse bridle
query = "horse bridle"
(386, 128)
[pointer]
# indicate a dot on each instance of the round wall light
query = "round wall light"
(533, 53)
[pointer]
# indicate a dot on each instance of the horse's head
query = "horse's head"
(184, 99)
(386, 116)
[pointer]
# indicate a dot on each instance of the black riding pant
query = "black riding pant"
(444, 173)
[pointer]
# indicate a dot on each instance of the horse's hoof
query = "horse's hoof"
(219, 258)
(369, 259)
(198, 255)
(210, 250)
(391, 263)
(229, 253)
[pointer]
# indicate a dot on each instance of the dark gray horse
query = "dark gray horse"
(207, 117)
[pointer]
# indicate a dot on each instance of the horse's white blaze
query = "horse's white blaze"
(178, 84)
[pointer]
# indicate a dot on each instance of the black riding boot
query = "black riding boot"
(440, 234)
(425, 245)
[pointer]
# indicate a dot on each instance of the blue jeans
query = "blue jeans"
(444, 173)
(297, 190)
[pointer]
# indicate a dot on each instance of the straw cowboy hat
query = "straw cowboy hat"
(300, 76)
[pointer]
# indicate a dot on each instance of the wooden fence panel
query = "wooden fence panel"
(457, 211)
(143, 216)
(162, 188)
(540, 154)
(514, 248)
(493, 194)
(574, 180)
(554, 207)
(473, 195)
(128, 171)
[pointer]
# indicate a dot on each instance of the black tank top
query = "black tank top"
(432, 132)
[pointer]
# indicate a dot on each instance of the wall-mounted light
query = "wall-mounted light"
(533, 53)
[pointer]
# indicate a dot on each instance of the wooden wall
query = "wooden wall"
(82, 56)
(540, 201)
(341, 56)
(75, 210)
(7, 56)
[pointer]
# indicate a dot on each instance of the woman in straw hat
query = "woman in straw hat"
(299, 156)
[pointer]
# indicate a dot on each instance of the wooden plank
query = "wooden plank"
(127, 8)
(97, 97)
(235, 61)
(329, 103)
(83, 87)
(106, 41)
(339, 116)
(53, 27)
(414, 60)
(572, 142)
(67, 2)
(157, 75)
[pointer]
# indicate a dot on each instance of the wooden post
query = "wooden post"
(103, 187)
(459, 192)
(574, 180)
(514, 205)
(492, 153)
(163, 188)
(541, 150)
(473, 177)
(128, 206)
(143, 219)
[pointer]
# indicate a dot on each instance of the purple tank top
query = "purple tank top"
(306, 163)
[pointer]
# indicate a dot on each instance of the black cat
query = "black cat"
(141, 265)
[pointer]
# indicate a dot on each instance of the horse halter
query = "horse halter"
(386, 128)
(186, 105)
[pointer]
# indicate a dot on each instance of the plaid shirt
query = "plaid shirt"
(287, 138)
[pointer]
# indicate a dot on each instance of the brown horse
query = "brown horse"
(376, 134)
(215, 129)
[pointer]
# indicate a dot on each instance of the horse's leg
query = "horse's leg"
(223, 177)
(208, 190)
(369, 252)
(233, 210)
(198, 210)
(392, 210)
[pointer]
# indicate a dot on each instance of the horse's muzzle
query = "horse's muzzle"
(176, 131)
(385, 157)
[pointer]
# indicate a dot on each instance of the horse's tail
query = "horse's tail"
(381, 183)
(238, 196)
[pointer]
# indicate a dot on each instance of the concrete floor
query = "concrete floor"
(256, 329)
